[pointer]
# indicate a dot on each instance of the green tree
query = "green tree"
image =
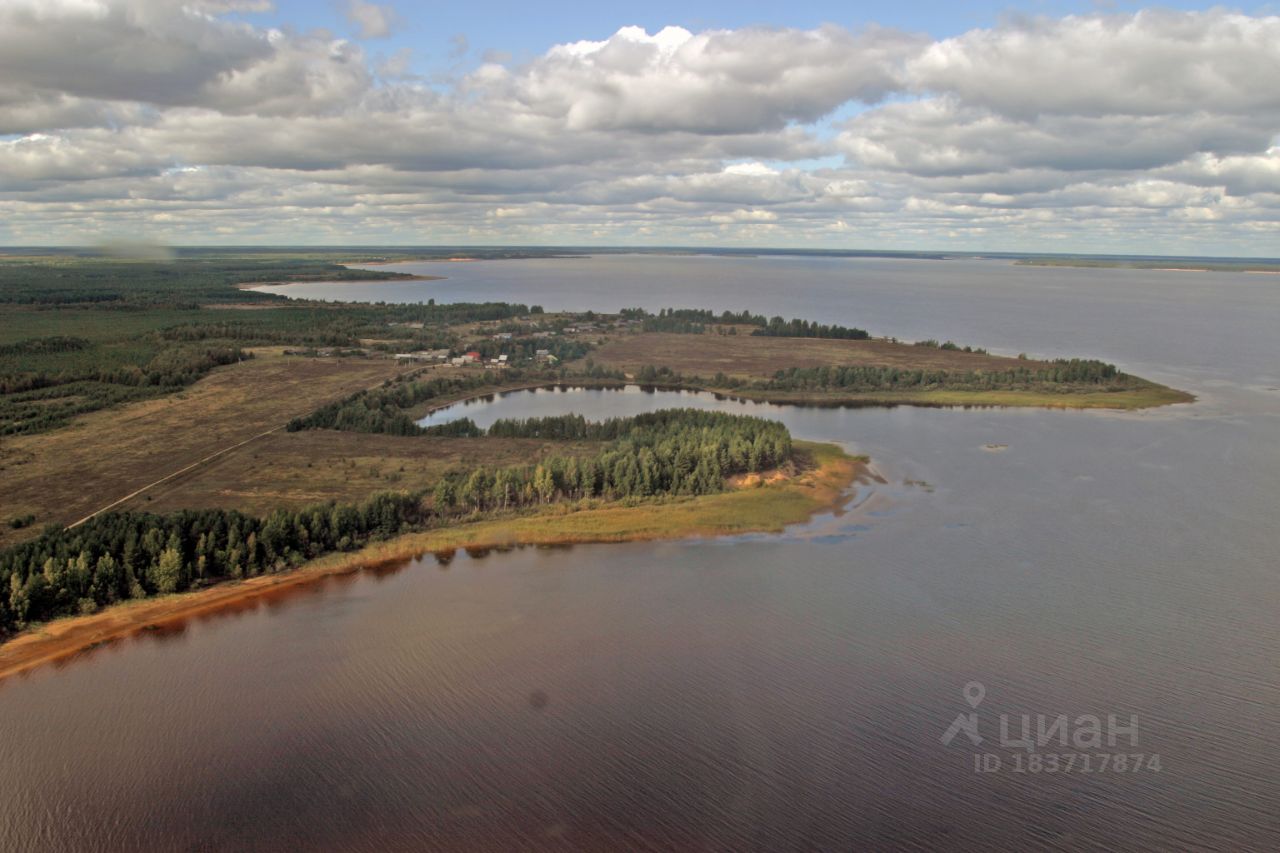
(168, 572)
(543, 483)
(445, 496)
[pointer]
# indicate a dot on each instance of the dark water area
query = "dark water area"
(760, 692)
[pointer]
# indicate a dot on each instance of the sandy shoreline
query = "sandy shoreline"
(63, 639)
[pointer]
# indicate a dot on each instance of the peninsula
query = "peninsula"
(307, 456)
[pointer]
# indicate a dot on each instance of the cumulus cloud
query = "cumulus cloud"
(1130, 92)
(164, 54)
(943, 136)
(715, 82)
(191, 124)
(155, 52)
(1147, 64)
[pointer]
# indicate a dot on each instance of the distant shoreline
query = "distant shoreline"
(1163, 265)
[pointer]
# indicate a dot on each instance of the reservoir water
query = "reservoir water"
(763, 692)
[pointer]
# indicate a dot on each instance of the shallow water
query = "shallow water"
(760, 692)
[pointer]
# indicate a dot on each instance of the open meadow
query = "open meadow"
(62, 475)
(298, 469)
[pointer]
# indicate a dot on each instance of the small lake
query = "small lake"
(596, 404)
(759, 692)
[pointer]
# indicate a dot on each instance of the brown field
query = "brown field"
(746, 356)
(297, 469)
(64, 475)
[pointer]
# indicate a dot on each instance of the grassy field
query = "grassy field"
(61, 476)
(298, 469)
(748, 357)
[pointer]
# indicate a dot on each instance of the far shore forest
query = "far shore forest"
(83, 337)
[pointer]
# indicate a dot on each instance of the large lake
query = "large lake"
(767, 693)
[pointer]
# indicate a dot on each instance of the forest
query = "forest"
(779, 328)
(1060, 373)
(697, 321)
(122, 284)
(119, 556)
(668, 452)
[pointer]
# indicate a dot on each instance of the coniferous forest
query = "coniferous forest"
(1063, 372)
(695, 321)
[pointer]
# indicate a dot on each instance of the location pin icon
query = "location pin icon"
(974, 691)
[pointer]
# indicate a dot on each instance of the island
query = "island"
(174, 442)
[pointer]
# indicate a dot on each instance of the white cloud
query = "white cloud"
(753, 169)
(1096, 129)
(1148, 64)
(744, 215)
(715, 82)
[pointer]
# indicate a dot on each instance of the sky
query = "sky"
(1049, 126)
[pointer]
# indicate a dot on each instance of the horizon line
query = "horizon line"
(939, 254)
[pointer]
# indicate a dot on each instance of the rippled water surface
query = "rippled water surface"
(763, 692)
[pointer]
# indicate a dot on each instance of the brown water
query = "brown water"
(763, 692)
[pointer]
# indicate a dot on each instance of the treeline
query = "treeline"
(461, 428)
(41, 400)
(669, 452)
(701, 316)
(574, 427)
(175, 366)
(695, 321)
(121, 556)
(1062, 373)
(780, 328)
(124, 555)
(177, 282)
(651, 375)
(42, 346)
(948, 345)
(383, 409)
(690, 321)
(344, 324)
(685, 321)
(1059, 375)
